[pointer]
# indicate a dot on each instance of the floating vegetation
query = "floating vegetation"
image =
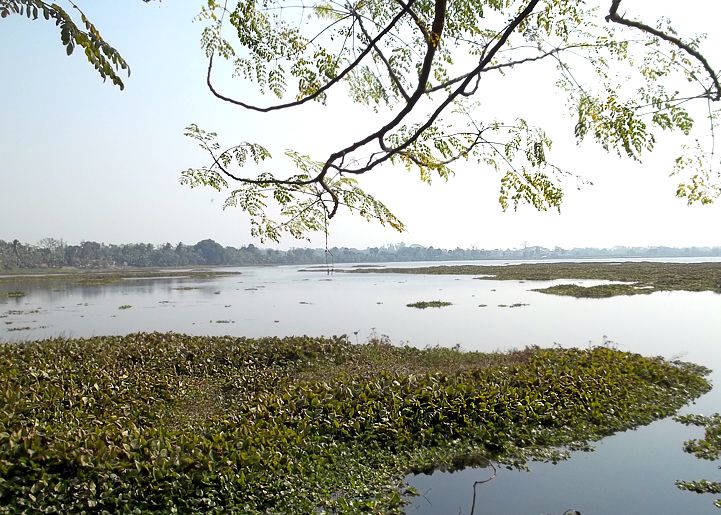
(166, 422)
(304, 302)
(641, 277)
(125, 306)
(23, 328)
(706, 448)
(224, 322)
(16, 294)
(599, 291)
(518, 305)
(429, 304)
(482, 305)
(20, 312)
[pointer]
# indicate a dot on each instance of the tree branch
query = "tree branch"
(320, 90)
(616, 18)
(391, 72)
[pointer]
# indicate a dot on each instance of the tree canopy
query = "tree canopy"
(424, 66)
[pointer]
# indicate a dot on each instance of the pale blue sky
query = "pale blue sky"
(81, 160)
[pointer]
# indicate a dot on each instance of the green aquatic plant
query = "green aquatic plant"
(429, 304)
(598, 291)
(167, 422)
(706, 448)
(125, 306)
(16, 294)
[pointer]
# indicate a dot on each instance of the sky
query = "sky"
(81, 160)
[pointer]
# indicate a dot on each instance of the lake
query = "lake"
(629, 473)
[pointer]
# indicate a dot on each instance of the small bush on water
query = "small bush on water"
(160, 422)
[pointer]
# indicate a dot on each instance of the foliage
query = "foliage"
(429, 304)
(426, 68)
(297, 196)
(106, 60)
(706, 448)
(641, 277)
(166, 422)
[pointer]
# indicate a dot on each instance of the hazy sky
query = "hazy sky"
(81, 160)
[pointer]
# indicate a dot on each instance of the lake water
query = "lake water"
(629, 473)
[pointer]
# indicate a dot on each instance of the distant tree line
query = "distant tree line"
(55, 253)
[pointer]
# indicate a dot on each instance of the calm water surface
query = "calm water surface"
(629, 473)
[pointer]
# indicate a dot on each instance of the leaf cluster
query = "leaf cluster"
(106, 60)
(294, 205)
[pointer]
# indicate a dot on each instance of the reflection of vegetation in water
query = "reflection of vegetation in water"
(645, 277)
(707, 448)
(296, 425)
(429, 304)
(15, 294)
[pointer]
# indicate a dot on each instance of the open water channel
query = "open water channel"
(628, 473)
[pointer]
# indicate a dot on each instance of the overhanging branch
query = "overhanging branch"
(616, 18)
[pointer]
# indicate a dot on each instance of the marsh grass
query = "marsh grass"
(641, 277)
(159, 422)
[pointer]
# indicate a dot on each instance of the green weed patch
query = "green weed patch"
(429, 304)
(161, 422)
